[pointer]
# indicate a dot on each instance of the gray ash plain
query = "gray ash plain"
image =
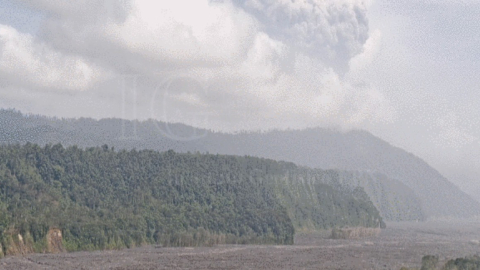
(401, 244)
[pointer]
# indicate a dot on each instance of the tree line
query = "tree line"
(101, 198)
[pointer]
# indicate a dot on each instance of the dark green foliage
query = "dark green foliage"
(394, 200)
(313, 204)
(402, 186)
(429, 262)
(102, 199)
(467, 263)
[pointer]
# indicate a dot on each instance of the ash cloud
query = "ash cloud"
(272, 64)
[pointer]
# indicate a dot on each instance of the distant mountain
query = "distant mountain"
(385, 170)
(361, 151)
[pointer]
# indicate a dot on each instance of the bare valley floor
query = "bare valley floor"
(401, 244)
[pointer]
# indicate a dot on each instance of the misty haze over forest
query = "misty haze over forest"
(401, 185)
(403, 70)
(326, 113)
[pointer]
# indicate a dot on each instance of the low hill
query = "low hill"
(98, 198)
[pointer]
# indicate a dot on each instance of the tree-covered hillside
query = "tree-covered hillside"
(423, 191)
(393, 199)
(101, 198)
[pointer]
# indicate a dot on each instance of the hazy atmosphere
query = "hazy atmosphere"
(406, 70)
(239, 134)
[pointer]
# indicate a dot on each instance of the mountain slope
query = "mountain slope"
(359, 150)
(99, 198)
(316, 148)
(394, 200)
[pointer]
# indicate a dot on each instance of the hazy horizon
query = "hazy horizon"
(402, 70)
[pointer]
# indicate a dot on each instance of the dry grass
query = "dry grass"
(355, 233)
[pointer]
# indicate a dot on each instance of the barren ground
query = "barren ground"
(401, 244)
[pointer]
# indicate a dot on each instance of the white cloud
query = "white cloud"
(204, 34)
(152, 35)
(362, 61)
(264, 59)
(84, 11)
(255, 73)
(29, 63)
(259, 64)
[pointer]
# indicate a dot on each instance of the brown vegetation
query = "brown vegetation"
(399, 245)
(54, 241)
(17, 244)
(355, 233)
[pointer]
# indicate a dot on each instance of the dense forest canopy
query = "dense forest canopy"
(101, 198)
(388, 174)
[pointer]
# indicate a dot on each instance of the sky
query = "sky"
(405, 70)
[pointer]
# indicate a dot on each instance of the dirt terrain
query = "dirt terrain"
(401, 244)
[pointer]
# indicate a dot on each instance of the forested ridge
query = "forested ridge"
(100, 198)
(402, 186)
